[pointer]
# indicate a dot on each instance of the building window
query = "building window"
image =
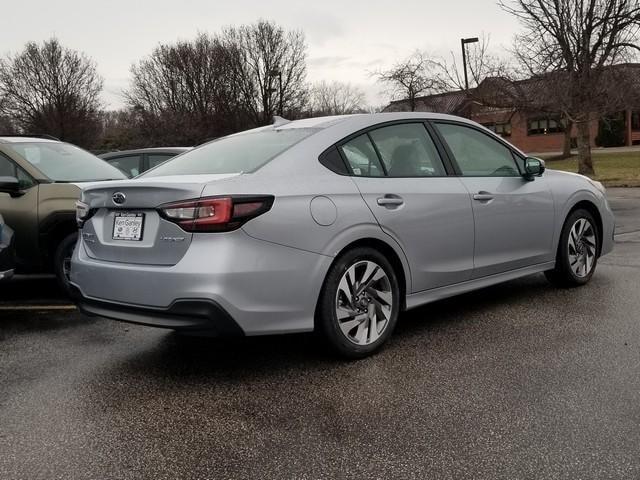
(635, 121)
(545, 125)
(503, 129)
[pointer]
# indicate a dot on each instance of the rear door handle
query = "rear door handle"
(483, 196)
(390, 201)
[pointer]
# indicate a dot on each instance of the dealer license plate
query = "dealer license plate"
(128, 226)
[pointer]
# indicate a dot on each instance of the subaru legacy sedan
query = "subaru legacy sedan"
(333, 224)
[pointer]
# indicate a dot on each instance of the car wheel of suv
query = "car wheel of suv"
(359, 303)
(577, 251)
(62, 260)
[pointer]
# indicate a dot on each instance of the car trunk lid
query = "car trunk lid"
(124, 224)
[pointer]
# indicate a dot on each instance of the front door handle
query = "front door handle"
(483, 196)
(390, 201)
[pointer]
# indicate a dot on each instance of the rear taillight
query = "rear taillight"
(83, 213)
(215, 214)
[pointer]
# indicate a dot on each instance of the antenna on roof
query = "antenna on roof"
(279, 121)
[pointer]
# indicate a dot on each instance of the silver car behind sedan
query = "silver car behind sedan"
(334, 224)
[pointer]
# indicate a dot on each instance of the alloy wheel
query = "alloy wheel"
(582, 247)
(364, 302)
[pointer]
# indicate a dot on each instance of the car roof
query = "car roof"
(119, 153)
(20, 139)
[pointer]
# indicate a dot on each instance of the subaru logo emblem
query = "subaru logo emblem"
(118, 198)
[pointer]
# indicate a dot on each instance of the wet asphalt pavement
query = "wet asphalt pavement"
(520, 380)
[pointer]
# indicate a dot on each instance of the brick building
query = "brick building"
(529, 130)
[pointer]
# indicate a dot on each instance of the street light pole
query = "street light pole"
(463, 44)
(278, 73)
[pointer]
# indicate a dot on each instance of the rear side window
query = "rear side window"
(362, 157)
(408, 151)
(476, 153)
(241, 153)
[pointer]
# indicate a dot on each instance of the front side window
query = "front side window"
(240, 153)
(63, 162)
(156, 159)
(476, 153)
(408, 151)
(10, 169)
(362, 157)
(129, 165)
(7, 167)
(635, 121)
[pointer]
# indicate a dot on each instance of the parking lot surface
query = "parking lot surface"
(520, 380)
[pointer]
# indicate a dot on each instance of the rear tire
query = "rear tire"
(359, 303)
(578, 249)
(62, 261)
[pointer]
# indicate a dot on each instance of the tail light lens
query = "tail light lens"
(215, 214)
(83, 213)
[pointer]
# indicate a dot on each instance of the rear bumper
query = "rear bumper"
(185, 314)
(265, 288)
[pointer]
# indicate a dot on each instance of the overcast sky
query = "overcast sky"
(346, 40)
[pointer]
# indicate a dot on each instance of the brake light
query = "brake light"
(83, 213)
(215, 214)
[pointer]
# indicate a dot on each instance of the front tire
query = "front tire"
(359, 303)
(62, 261)
(578, 249)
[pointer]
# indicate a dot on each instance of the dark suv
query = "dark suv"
(41, 182)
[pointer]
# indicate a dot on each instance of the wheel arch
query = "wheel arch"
(390, 254)
(53, 230)
(593, 210)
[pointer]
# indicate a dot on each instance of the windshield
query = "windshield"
(243, 153)
(63, 162)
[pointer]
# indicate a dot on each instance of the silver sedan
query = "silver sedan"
(334, 224)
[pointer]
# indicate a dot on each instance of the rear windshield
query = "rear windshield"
(63, 162)
(243, 153)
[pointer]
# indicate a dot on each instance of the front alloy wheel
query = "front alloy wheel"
(582, 247)
(578, 248)
(359, 303)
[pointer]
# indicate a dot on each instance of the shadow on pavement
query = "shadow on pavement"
(32, 290)
(175, 355)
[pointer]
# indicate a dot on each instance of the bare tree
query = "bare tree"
(411, 78)
(268, 68)
(51, 89)
(575, 41)
(336, 98)
(183, 93)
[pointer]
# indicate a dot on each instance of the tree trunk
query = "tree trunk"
(566, 149)
(585, 163)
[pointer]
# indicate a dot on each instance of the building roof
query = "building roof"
(501, 94)
(448, 102)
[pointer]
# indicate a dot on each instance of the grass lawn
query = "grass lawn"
(613, 169)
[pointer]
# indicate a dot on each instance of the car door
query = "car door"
(403, 180)
(514, 215)
(21, 212)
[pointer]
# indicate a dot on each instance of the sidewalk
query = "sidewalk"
(594, 151)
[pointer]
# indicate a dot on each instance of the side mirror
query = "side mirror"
(10, 185)
(533, 167)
